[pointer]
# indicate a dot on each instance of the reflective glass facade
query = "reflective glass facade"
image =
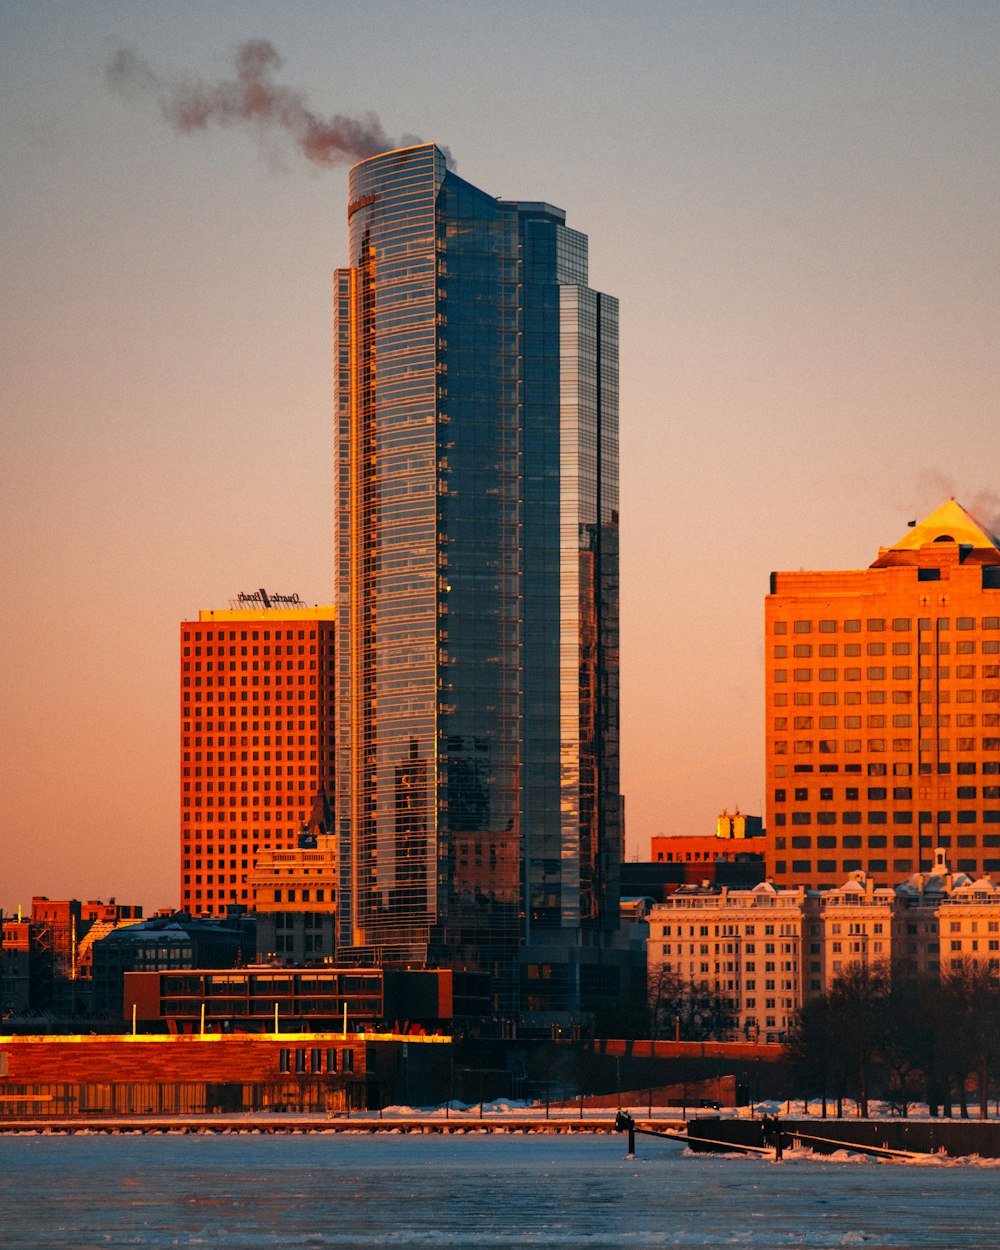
(477, 584)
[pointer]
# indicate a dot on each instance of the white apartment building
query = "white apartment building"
(746, 944)
(767, 950)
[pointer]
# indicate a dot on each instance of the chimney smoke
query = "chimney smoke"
(253, 99)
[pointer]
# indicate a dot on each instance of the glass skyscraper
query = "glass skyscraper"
(477, 588)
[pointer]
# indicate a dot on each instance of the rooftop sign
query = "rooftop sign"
(265, 600)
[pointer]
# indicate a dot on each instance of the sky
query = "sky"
(796, 204)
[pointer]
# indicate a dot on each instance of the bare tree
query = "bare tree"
(907, 1047)
(968, 1021)
(693, 1010)
(813, 1052)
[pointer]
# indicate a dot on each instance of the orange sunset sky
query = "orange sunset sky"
(796, 204)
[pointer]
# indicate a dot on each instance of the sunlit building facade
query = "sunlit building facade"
(477, 586)
(257, 743)
(749, 946)
(883, 710)
(295, 894)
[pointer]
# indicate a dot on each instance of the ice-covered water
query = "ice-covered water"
(256, 1192)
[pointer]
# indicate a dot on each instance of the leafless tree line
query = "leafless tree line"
(686, 1010)
(911, 1037)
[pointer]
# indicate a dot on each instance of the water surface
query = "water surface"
(244, 1192)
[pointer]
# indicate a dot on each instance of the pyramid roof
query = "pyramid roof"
(949, 523)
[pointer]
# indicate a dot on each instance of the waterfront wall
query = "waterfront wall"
(956, 1138)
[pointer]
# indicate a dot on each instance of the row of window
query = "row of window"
(244, 681)
(268, 800)
(878, 720)
(770, 965)
(854, 746)
(876, 624)
(235, 699)
(852, 698)
(875, 867)
(315, 1060)
(242, 843)
(280, 770)
(222, 817)
(902, 841)
(900, 672)
(254, 727)
(732, 930)
(877, 793)
(245, 666)
(244, 894)
(989, 816)
(831, 650)
(964, 768)
(221, 635)
(254, 651)
(210, 863)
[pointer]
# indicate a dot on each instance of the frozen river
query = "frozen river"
(243, 1192)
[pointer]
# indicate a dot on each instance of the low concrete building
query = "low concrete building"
(184, 1075)
(164, 943)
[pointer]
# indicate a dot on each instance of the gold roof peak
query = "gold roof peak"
(949, 523)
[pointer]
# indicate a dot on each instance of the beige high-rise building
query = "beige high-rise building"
(883, 710)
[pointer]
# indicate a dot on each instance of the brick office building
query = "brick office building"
(256, 741)
(883, 710)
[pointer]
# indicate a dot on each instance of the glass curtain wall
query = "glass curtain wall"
(477, 577)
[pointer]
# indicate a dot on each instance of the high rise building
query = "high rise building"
(883, 709)
(477, 587)
(256, 741)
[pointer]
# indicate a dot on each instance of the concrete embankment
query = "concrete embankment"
(955, 1138)
(458, 1123)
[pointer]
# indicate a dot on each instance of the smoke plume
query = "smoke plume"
(253, 99)
(934, 487)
